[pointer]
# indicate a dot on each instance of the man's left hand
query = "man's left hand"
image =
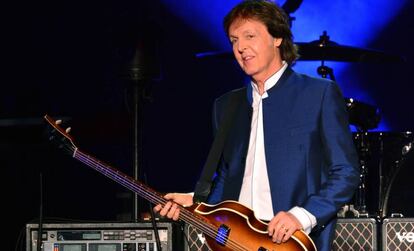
(282, 226)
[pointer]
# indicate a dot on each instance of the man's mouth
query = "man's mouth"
(247, 58)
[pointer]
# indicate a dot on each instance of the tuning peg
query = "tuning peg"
(68, 130)
(58, 122)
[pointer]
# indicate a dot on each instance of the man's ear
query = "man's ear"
(277, 42)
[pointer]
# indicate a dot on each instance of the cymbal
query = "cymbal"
(315, 51)
(325, 50)
(215, 54)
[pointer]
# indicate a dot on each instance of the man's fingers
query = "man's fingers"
(272, 226)
(172, 210)
(288, 234)
(166, 208)
(282, 226)
(157, 208)
(279, 234)
(176, 214)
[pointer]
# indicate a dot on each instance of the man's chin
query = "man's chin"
(249, 71)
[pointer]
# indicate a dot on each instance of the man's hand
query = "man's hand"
(282, 226)
(171, 209)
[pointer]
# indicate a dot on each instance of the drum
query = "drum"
(383, 156)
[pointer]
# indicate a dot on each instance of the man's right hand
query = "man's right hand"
(171, 209)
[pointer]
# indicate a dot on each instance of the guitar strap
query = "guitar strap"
(204, 184)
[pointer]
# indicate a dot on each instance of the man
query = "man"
(289, 155)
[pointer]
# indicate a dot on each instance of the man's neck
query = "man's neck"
(260, 82)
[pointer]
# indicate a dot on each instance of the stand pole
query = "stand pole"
(363, 149)
(138, 123)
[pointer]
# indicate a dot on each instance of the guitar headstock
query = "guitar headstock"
(60, 136)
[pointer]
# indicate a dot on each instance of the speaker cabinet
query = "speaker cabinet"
(355, 234)
(398, 234)
(350, 234)
(195, 240)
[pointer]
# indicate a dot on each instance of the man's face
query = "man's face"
(255, 49)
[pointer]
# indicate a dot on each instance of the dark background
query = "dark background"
(68, 59)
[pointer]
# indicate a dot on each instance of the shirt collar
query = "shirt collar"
(270, 82)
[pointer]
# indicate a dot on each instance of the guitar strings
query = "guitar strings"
(115, 175)
(148, 193)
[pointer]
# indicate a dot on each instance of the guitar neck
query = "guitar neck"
(66, 143)
(141, 189)
(119, 177)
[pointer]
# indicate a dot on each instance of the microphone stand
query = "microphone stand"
(142, 70)
(153, 222)
(138, 126)
(40, 228)
(139, 75)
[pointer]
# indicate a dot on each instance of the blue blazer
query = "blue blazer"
(310, 155)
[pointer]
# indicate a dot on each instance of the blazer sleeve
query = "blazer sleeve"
(341, 158)
(216, 193)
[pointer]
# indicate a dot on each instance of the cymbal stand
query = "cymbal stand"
(326, 71)
(363, 152)
(360, 209)
(406, 152)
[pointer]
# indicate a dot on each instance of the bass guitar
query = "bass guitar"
(226, 226)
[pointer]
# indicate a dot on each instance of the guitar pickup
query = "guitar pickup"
(222, 234)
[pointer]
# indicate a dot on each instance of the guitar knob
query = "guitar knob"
(58, 122)
(68, 130)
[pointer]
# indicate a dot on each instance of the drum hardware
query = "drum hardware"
(363, 116)
(324, 70)
(325, 50)
(406, 152)
(363, 150)
(407, 148)
(383, 155)
(349, 211)
(291, 6)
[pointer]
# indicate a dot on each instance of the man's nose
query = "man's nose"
(241, 46)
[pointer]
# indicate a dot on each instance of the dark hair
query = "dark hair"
(273, 17)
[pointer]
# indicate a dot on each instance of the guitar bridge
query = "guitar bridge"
(222, 234)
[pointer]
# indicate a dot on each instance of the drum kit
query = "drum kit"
(382, 155)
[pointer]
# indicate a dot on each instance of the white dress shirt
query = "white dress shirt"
(255, 192)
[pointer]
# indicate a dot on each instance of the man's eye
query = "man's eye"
(250, 36)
